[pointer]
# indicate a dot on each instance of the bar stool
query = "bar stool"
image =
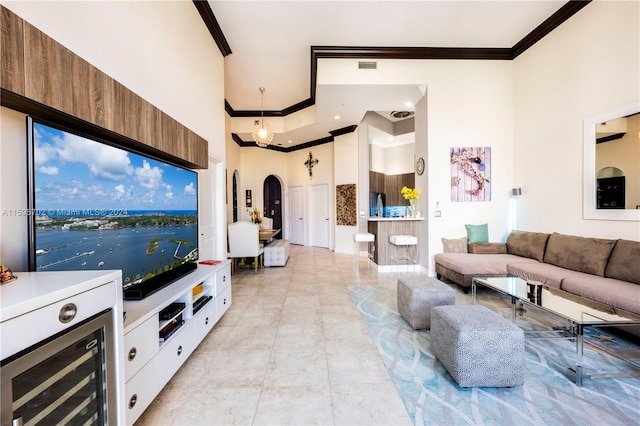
(363, 237)
(407, 242)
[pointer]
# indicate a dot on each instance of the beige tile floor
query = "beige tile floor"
(291, 350)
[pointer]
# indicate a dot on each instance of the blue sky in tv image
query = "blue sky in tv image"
(73, 172)
(101, 207)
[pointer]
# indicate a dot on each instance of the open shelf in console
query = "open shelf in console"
(184, 312)
(138, 311)
(170, 319)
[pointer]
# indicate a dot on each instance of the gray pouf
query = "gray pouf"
(477, 346)
(416, 297)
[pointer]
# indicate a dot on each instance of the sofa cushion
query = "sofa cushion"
(488, 248)
(454, 245)
(527, 244)
(477, 233)
(624, 263)
(617, 293)
(582, 254)
(477, 264)
(544, 273)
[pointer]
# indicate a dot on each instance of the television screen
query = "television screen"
(96, 206)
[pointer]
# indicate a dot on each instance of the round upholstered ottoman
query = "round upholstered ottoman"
(417, 295)
(477, 346)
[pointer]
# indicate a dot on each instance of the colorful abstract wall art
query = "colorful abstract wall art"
(471, 174)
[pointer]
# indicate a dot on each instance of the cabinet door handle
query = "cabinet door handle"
(132, 353)
(224, 301)
(206, 321)
(224, 278)
(179, 350)
(133, 400)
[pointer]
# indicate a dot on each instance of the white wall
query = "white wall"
(13, 189)
(529, 111)
(394, 160)
(376, 157)
(233, 164)
(323, 173)
(346, 172)
(180, 72)
(255, 165)
(398, 160)
(587, 66)
(468, 103)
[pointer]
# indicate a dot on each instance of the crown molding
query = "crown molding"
(356, 52)
(211, 22)
(551, 23)
(334, 133)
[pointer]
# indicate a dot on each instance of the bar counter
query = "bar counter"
(383, 228)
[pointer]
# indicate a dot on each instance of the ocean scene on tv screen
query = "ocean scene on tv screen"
(101, 207)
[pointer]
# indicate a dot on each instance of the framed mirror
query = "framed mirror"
(612, 172)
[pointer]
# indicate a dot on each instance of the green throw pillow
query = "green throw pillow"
(477, 233)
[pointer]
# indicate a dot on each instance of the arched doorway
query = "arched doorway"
(610, 188)
(272, 204)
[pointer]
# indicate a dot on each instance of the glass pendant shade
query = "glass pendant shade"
(262, 133)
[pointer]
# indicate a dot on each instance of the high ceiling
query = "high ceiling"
(271, 44)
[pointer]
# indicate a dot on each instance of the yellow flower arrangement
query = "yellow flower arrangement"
(255, 216)
(410, 193)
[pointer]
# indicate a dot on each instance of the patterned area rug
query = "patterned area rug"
(548, 397)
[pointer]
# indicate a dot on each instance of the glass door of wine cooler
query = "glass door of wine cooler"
(66, 380)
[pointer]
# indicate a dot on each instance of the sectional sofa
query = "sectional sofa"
(604, 270)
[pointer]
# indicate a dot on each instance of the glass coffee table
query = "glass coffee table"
(581, 313)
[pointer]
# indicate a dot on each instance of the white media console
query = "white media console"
(162, 330)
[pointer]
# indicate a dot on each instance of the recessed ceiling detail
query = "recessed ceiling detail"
(484, 30)
(401, 114)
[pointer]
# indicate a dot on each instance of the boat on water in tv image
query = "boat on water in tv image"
(98, 206)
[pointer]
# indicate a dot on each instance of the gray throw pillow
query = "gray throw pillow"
(581, 254)
(488, 248)
(457, 245)
(624, 263)
(527, 244)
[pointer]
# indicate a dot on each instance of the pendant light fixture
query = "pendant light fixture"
(262, 133)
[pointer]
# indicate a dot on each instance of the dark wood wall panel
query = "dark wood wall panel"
(392, 186)
(12, 57)
(48, 73)
(376, 181)
(74, 92)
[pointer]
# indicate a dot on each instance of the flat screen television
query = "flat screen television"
(97, 206)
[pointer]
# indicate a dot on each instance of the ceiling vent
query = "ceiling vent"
(401, 114)
(364, 65)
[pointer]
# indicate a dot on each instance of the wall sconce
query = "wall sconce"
(516, 192)
(248, 197)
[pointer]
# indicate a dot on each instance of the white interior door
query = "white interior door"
(296, 215)
(319, 213)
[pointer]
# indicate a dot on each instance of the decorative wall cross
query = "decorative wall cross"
(310, 163)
